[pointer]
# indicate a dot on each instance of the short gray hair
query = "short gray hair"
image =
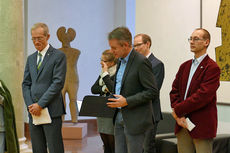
(122, 34)
(40, 25)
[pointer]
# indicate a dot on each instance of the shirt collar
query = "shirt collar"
(148, 55)
(199, 59)
(124, 60)
(43, 52)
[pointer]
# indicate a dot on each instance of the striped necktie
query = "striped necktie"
(39, 60)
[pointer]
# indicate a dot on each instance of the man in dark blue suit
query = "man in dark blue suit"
(44, 79)
(134, 88)
(142, 44)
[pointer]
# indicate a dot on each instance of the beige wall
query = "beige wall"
(169, 23)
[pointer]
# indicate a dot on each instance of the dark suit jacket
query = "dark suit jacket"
(138, 87)
(159, 73)
(44, 86)
(200, 103)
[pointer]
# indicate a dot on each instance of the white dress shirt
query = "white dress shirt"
(43, 52)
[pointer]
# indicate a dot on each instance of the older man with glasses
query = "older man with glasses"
(44, 79)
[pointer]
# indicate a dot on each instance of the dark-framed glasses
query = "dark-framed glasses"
(195, 39)
(137, 45)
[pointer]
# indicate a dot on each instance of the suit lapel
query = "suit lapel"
(185, 77)
(114, 84)
(200, 68)
(128, 66)
(151, 57)
(34, 63)
(46, 58)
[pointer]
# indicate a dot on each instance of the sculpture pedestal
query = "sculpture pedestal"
(74, 130)
(23, 146)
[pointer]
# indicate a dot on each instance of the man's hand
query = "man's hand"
(35, 109)
(180, 121)
(119, 101)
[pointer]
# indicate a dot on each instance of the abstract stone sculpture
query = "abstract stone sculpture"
(72, 80)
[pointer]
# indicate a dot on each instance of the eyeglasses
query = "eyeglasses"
(137, 45)
(38, 38)
(196, 39)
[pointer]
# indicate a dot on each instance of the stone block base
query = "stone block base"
(74, 130)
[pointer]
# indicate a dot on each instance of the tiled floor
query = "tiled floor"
(87, 145)
(90, 144)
